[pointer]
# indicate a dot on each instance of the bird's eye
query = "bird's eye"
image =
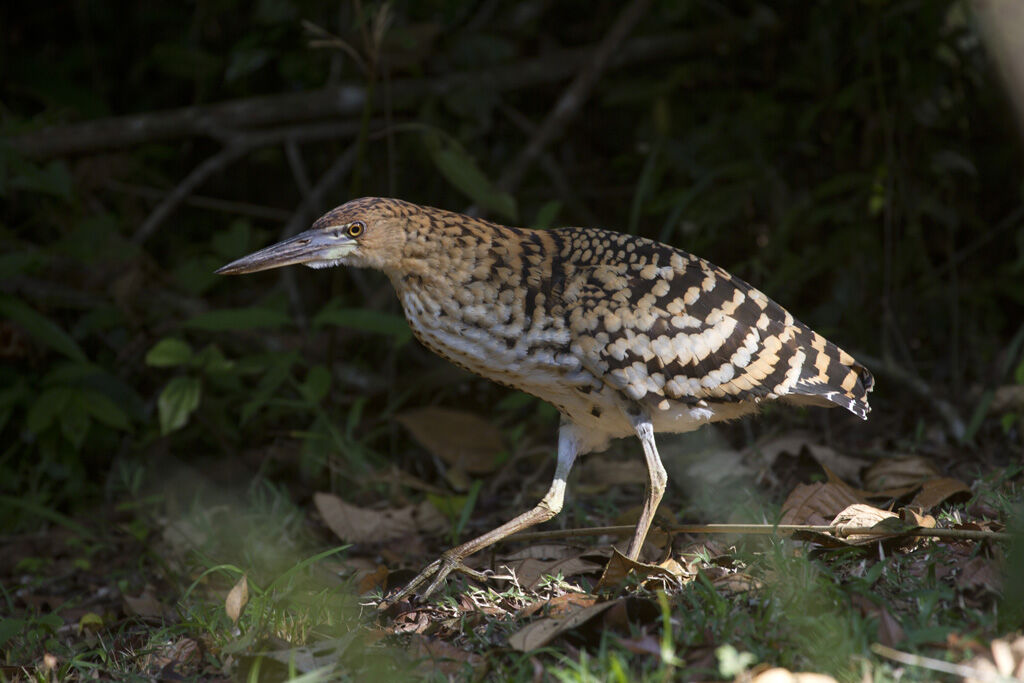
(356, 228)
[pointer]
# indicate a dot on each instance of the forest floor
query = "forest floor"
(220, 575)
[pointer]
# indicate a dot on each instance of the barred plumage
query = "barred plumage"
(624, 335)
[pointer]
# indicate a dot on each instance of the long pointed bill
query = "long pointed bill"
(314, 248)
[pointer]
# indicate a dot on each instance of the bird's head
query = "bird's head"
(368, 232)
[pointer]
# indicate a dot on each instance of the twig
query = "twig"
(575, 95)
(237, 146)
(193, 180)
(770, 530)
(335, 102)
(939, 665)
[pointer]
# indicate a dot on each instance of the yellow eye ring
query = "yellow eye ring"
(356, 228)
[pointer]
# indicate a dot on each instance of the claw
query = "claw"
(439, 570)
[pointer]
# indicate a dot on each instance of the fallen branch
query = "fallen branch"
(220, 120)
(839, 531)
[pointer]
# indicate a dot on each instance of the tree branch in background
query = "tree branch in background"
(575, 95)
(341, 101)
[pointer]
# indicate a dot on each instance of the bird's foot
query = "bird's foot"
(436, 572)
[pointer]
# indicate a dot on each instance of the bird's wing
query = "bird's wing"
(660, 323)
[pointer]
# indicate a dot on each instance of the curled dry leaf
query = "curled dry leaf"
(462, 440)
(860, 515)
(237, 598)
(362, 525)
(619, 567)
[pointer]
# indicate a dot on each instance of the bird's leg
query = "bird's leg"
(655, 489)
(548, 507)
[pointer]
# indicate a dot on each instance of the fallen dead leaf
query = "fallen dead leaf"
(916, 517)
(936, 491)
(861, 515)
(146, 605)
(558, 605)
(896, 472)
(373, 580)
(530, 572)
(619, 567)
(846, 466)
(979, 573)
(462, 440)
(439, 656)
(816, 503)
(362, 525)
(541, 632)
(237, 598)
(180, 656)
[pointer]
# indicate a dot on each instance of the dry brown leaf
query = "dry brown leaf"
(181, 655)
(936, 491)
(373, 580)
(979, 572)
(146, 605)
(619, 567)
(237, 598)
(529, 572)
(443, 657)
(916, 517)
(462, 440)
(779, 675)
(846, 466)
(896, 472)
(362, 525)
(816, 503)
(558, 605)
(861, 515)
(543, 631)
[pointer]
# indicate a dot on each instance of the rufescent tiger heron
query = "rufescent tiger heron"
(623, 335)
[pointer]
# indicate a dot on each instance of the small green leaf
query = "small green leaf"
(1018, 374)
(316, 384)
(105, 410)
(10, 628)
(211, 359)
(177, 401)
(74, 421)
(46, 407)
(547, 214)
(459, 168)
(41, 327)
(366, 320)
(238, 319)
(169, 352)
